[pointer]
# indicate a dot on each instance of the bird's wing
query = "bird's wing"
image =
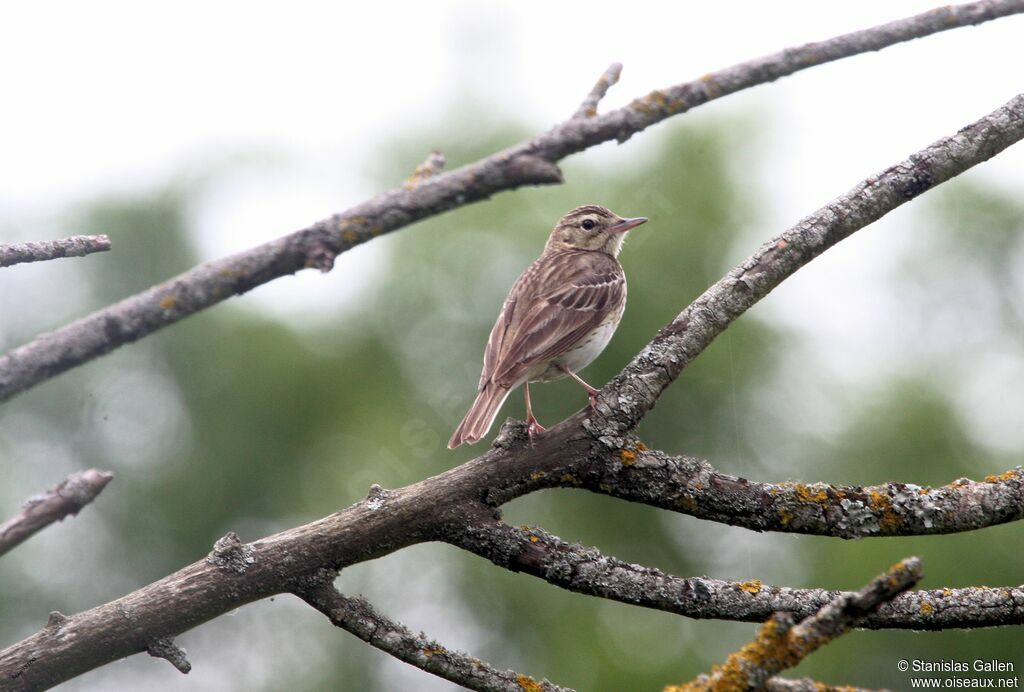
(556, 302)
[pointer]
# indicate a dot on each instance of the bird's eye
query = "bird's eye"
(588, 224)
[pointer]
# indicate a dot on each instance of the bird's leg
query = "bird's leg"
(591, 392)
(532, 426)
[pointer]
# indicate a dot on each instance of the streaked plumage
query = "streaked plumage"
(559, 315)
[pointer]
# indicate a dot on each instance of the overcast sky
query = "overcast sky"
(107, 97)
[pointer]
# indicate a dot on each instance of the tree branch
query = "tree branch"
(357, 616)
(588, 109)
(628, 397)
(435, 509)
(692, 486)
(67, 497)
(588, 571)
(75, 246)
(780, 644)
(529, 163)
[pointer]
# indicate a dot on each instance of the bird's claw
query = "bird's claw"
(533, 428)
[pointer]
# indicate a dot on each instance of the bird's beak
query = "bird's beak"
(627, 224)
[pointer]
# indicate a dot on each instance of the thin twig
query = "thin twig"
(780, 644)
(357, 616)
(588, 109)
(529, 163)
(67, 497)
(75, 246)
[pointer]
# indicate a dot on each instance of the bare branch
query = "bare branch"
(447, 508)
(431, 166)
(588, 109)
(588, 571)
(780, 644)
(636, 389)
(692, 486)
(75, 246)
(67, 497)
(357, 616)
(529, 163)
(166, 649)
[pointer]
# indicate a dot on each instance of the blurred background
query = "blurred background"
(193, 131)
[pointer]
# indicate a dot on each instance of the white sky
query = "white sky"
(109, 96)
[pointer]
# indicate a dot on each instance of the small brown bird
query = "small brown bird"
(558, 317)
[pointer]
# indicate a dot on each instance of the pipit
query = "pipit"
(558, 317)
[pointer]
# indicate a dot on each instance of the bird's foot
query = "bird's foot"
(533, 427)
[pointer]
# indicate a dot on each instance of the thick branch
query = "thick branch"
(528, 163)
(446, 507)
(692, 486)
(75, 246)
(68, 497)
(588, 571)
(357, 616)
(780, 644)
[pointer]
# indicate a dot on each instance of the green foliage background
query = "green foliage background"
(232, 420)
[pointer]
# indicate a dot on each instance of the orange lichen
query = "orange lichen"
(947, 592)
(1003, 477)
(168, 302)
(628, 457)
(433, 651)
(753, 586)
(640, 446)
(534, 539)
(528, 683)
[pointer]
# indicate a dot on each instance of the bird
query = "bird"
(559, 315)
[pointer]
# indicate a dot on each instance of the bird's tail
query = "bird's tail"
(480, 416)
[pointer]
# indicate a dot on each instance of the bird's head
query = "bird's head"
(591, 227)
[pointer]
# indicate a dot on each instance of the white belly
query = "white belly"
(581, 356)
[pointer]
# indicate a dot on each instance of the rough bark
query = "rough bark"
(66, 498)
(41, 251)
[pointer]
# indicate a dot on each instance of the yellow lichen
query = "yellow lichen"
(569, 478)
(753, 586)
(927, 608)
(534, 539)
(889, 522)
(640, 446)
(628, 457)
(168, 302)
(687, 504)
(785, 516)
(537, 475)
(806, 493)
(947, 592)
(349, 236)
(528, 683)
(433, 651)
